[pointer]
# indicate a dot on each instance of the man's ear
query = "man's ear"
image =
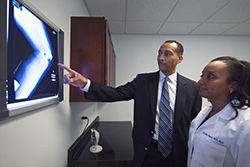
(180, 59)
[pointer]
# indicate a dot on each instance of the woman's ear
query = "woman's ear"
(234, 86)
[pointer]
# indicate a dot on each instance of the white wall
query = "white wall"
(41, 138)
(137, 54)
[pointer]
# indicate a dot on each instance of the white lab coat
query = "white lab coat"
(220, 142)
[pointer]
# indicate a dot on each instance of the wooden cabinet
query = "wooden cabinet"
(91, 52)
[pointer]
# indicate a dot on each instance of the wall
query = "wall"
(137, 54)
(41, 138)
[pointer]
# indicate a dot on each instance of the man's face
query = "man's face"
(168, 58)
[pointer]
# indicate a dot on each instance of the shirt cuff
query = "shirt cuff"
(86, 87)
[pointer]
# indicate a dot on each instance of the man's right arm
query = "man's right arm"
(98, 92)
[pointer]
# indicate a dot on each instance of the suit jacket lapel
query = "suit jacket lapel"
(180, 98)
(153, 92)
(181, 95)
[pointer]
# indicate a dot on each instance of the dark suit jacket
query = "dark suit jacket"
(144, 89)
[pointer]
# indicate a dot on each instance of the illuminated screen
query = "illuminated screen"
(32, 56)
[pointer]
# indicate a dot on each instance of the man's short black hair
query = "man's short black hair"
(179, 49)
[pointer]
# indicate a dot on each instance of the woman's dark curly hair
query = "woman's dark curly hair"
(239, 71)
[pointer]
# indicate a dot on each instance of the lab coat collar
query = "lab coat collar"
(227, 113)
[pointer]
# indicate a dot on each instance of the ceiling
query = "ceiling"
(174, 17)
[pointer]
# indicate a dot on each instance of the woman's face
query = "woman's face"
(213, 84)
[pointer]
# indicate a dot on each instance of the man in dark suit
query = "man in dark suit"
(146, 90)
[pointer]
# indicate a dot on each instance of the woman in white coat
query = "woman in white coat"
(220, 134)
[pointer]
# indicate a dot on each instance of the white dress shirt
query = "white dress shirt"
(221, 141)
(86, 87)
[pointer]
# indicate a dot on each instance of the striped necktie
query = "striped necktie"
(165, 122)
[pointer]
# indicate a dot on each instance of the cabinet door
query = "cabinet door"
(88, 54)
(110, 60)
